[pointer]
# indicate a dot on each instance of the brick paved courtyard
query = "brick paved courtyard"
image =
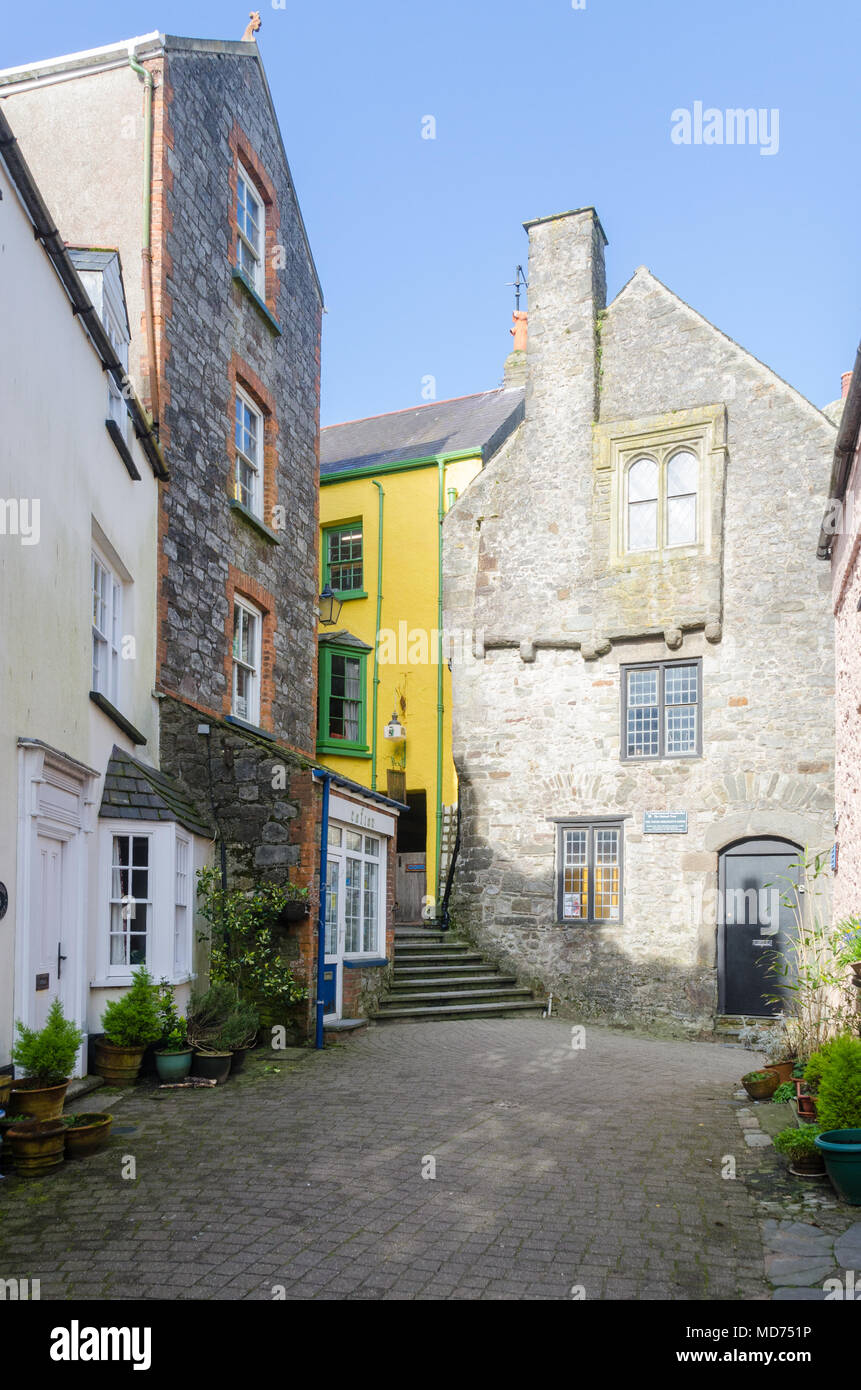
(555, 1167)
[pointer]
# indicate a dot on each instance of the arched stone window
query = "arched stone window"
(643, 505)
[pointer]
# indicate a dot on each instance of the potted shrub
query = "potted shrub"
(36, 1145)
(839, 1107)
(760, 1085)
(239, 1032)
(130, 1024)
(207, 1015)
(173, 1057)
(86, 1133)
(799, 1146)
(47, 1056)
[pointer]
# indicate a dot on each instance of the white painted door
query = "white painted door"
(50, 942)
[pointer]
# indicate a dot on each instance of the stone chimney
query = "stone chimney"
(567, 291)
(845, 382)
(515, 363)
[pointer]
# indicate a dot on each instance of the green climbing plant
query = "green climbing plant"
(243, 946)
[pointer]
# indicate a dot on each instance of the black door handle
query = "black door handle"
(60, 959)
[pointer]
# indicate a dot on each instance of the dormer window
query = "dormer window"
(251, 228)
(101, 276)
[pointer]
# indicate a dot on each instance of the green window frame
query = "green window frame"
(343, 700)
(344, 560)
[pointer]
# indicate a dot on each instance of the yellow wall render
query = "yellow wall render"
(408, 647)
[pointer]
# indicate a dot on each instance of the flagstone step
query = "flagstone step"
(459, 996)
(442, 1011)
(483, 979)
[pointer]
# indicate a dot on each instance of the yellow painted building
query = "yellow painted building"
(385, 484)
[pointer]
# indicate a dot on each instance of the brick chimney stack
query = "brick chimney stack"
(845, 381)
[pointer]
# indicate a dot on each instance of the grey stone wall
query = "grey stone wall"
(211, 319)
(529, 567)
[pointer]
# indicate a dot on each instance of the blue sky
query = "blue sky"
(540, 107)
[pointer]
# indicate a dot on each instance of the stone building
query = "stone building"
(169, 151)
(643, 735)
(840, 542)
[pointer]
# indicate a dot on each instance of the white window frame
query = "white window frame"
(131, 831)
(166, 840)
(183, 909)
(253, 667)
(117, 406)
(106, 631)
(340, 854)
(255, 504)
(256, 254)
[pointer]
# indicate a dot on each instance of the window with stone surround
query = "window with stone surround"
(247, 641)
(661, 710)
(251, 232)
(589, 871)
(661, 491)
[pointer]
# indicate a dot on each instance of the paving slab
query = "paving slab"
(469, 1159)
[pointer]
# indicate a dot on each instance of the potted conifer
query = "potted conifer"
(838, 1105)
(47, 1057)
(173, 1057)
(130, 1024)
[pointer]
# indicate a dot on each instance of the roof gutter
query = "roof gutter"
(82, 305)
(844, 453)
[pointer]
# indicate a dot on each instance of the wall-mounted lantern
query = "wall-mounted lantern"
(330, 607)
(394, 729)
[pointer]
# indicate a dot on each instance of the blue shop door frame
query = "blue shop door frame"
(333, 961)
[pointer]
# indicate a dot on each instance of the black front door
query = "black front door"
(755, 923)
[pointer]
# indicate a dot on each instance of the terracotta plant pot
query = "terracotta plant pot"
(806, 1104)
(118, 1065)
(784, 1070)
(761, 1089)
(173, 1066)
(88, 1135)
(213, 1066)
(37, 1146)
(33, 1098)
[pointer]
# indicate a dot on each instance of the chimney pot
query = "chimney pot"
(518, 332)
(845, 382)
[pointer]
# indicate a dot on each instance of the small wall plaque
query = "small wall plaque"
(43, 982)
(665, 822)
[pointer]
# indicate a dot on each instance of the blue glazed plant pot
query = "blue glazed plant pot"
(841, 1149)
(173, 1066)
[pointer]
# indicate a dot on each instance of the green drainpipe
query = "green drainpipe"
(439, 681)
(377, 635)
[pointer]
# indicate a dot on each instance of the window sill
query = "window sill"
(249, 728)
(124, 981)
(259, 304)
(664, 758)
(345, 597)
(345, 750)
(254, 521)
(119, 719)
(582, 922)
(364, 963)
(122, 449)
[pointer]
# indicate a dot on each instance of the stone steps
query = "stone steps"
(446, 978)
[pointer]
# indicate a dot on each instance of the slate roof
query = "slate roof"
(481, 423)
(134, 791)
